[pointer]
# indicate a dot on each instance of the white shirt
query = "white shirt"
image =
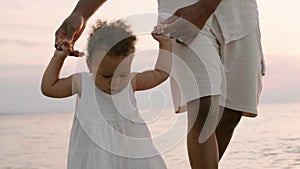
(237, 18)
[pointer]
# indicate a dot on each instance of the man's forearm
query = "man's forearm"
(208, 6)
(87, 8)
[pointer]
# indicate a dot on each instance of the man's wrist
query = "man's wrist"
(86, 8)
(81, 15)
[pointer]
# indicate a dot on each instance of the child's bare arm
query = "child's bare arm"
(152, 78)
(52, 85)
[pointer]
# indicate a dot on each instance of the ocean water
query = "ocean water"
(269, 141)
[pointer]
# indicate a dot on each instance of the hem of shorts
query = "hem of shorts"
(246, 113)
(183, 108)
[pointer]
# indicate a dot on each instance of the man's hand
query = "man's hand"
(68, 33)
(186, 22)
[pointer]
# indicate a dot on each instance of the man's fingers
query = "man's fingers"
(186, 39)
(172, 18)
(177, 34)
(174, 26)
(172, 22)
(58, 34)
(58, 41)
(64, 37)
(78, 33)
(169, 20)
(67, 47)
(71, 31)
(62, 44)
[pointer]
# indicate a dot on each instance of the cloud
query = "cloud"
(32, 27)
(18, 42)
(30, 68)
(19, 71)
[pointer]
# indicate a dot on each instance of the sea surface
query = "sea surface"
(269, 141)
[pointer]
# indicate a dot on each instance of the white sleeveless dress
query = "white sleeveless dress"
(108, 133)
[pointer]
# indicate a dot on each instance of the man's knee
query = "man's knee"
(230, 119)
(202, 105)
(202, 110)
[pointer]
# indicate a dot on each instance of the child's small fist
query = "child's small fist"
(65, 52)
(159, 29)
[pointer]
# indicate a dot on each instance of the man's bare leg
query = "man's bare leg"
(202, 155)
(225, 129)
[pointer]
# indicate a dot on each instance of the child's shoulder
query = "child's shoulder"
(81, 76)
(133, 78)
(78, 79)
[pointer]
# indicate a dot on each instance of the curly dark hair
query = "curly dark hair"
(115, 39)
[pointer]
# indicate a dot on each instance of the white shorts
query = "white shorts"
(210, 60)
(196, 70)
(244, 66)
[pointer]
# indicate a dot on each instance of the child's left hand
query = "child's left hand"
(64, 53)
(158, 35)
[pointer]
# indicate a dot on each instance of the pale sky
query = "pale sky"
(27, 36)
